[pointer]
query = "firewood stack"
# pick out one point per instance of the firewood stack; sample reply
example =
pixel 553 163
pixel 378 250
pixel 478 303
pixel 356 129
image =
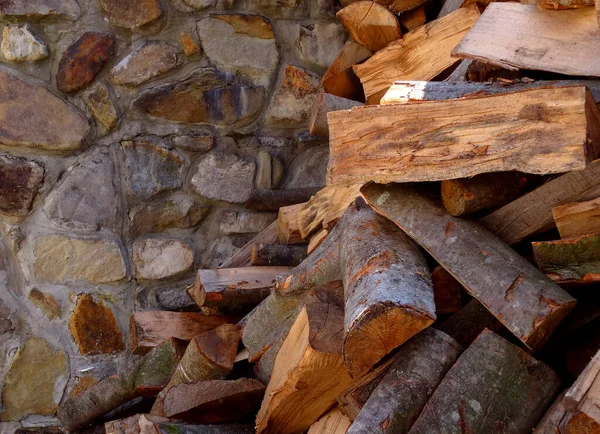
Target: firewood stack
pixel 433 285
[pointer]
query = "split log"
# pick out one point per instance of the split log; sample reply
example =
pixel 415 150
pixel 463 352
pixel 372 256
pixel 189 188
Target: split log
pixel 339 79
pixel 241 258
pixel 578 218
pixel 493 387
pixel 555 414
pixel 401 6
pixel 213 402
pixel 278 255
pixel 541 44
pixel 489 190
pixel 149 329
pixel 370 24
pixel 528 303
pixel 138 423
pixel 387 285
pixel 325 103
pixel 406 387
pixel 532 212
pixel 421 55
pixel 149 424
pixel 316 240
pixel 446 291
pixel 332 422
pixel 287 224
pixel 580 388
pixel 272 200
pixel 414 19
pixel 234 289
pixel 309 372
pixel 157 367
pixel 550 140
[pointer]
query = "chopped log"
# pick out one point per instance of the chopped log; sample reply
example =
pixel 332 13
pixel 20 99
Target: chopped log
pixel 493 387
pixel 157 367
pixel 532 212
pixel 149 424
pixel 287 224
pixel 370 24
pixel 421 55
pixel 339 79
pixel 528 303
pixel 541 43
pixel 332 422
pixel 488 190
pixel 573 260
pixel 387 285
pixel 401 6
pixel 316 240
pixel 325 208
pixel 309 371
pixel 278 255
pixel 550 140
pixel 446 291
pixel 234 289
pixel 577 218
pixel 272 200
pixel 149 329
pixel 404 390
pixel 555 414
pixel 241 258
pixel 583 400
pixel 580 388
pixel 411 20
pixel 325 103
pixel 213 402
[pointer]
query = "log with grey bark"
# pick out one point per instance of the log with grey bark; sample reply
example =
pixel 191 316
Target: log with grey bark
pixel 527 302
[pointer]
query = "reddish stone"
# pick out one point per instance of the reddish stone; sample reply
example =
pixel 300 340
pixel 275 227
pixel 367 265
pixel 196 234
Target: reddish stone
pixel 20 180
pixel 83 60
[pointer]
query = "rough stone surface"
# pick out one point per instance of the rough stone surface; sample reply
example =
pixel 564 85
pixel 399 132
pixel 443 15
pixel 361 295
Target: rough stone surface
pixel 35 381
pixel 20 180
pixel 59 259
pixel 83 60
pixel 6 324
pixel 94 328
pixel 150 60
pixel 45 302
pixel 131 13
pixel 177 211
pixel 308 169
pixel 34 117
pixel 293 100
pixel 20 45
pixel 244 222
pixel 243 44
pixel 321 43
pixel 189 44
pixel 157 258
pixel 224 177
pixel 174 299
pixel 100 103
pixel 151 169
pixel 87 197
pixel 200 4
pixel 194 143
pixel 40 8
pixel 203 97
pixel 280 8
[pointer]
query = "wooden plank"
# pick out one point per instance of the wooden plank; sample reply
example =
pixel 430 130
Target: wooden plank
pixel 340 79
pixel 370 24
pixel 540 43
pixel 528 303
pixel 577 218
pixel 242 257
pixel 419 55
pixel 537 131
pixel 532 212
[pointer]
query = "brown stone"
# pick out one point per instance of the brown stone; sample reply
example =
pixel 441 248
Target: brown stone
pixel 94 328
pixel 190 46
pixel 45 302
pixel 20 180
pixel 101 105
pixel 131 13
pixel 83 60
pixel 40 8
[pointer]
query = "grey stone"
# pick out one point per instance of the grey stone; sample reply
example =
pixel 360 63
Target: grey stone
pixel 87 197
pixel 131 14
pixel 194 143
pixel 20 180
pixel 6 324
pixel 174 299
pixel 224 177
pixel 200 4
pixel 40 8
pixel 321 42
pixel 245 222
pixel 280 8
pixel 157 258
pixel 309 169
pixel 20 45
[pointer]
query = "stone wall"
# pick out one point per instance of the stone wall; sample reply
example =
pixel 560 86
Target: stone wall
pixel 131 133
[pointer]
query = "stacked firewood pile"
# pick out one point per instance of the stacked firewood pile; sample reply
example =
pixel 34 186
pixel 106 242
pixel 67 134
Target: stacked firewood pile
pixel 445 280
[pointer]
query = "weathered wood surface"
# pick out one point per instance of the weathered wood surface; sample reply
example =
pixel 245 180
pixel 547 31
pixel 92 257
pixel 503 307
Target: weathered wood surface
pixel 340 79
pixel 278 255
pixel 493 387
pixel 325 103
pixel 370 24
pixel 577 218
pixel 584 400
pixel 532 212
pixel 332 422
pixel 446 291
pixel 541 43
pixel 552 418
pixel 317 239
pixel 420 55
pixel 272 200
pixel 438 140
pixel 404 390
pixel 157 368
pixel 288 226
pixel 241 258
pixel 411 20
pixel 528 303
pixel 309 372
pixel 582 385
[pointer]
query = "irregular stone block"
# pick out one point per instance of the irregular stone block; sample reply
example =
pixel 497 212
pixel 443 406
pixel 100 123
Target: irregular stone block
pixel 131 13
pixel 151 169
pixel 45 302
pixel 59 259
pixel 243 44
pixel 94 328
pixel 40 8
pixel 190 47
pixel 20 45
pixel 150 60
pixel 292 101
pixel 34 117
pixel 280 8
pixel 194 143
pixel 6 324
pixel 224 177
pixel 157 258
pixel 83 60
pixel 308 169
pixel 321 43
pixel 20 180
pixel 35 381
pixel 100 103
pixel 245 222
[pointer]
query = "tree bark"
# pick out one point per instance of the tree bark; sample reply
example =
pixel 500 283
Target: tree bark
pixel 278 255
pixel 272 200
pixel 157 367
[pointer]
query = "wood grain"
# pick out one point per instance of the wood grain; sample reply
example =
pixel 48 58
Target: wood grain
pixel 577 218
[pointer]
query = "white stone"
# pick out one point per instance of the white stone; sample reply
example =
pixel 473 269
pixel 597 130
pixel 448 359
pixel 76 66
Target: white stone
pixel 20 45
pixel 157 258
